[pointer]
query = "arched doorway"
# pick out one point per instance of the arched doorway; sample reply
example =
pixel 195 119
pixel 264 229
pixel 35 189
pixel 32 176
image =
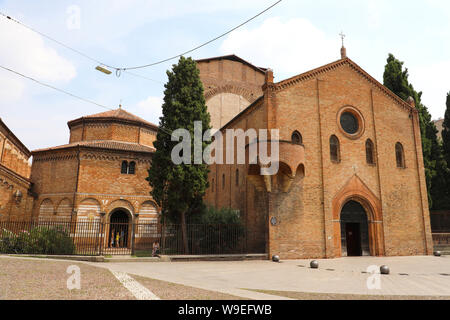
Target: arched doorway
pixel 354 230
pixel 119 223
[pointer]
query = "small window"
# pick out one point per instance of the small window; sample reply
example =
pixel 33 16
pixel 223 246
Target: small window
pixel 237 177
pixel 132 168
pixel 400 155
pixel 334 149
pixel 223 181
pixel 370 154
pixel 297 138
pixel 124 169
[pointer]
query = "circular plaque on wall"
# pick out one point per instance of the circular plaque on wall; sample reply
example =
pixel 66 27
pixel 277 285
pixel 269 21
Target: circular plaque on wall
pixel 273 221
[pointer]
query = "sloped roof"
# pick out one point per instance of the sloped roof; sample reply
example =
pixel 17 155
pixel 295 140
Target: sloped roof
pixel 117 115
pixel 102 144
pixel 12 137
pixel 234 57
pixel 334 65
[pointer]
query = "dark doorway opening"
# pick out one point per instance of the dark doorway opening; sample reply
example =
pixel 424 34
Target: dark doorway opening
pixel 353 237
pixel 354 230
pixel 118 229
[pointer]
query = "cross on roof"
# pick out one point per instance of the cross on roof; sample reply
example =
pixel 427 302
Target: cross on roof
pixel 342 37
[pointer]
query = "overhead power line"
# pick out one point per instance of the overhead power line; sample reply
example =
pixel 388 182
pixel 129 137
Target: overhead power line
pixel 72 49
pixel 201 45
pixel 55 88
pixel 69 94
pixel 125 69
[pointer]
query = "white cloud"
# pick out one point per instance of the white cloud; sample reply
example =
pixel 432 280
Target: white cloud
pixel 11 89
pixel 374 19
pixel 434 81
pixel 149 109
pixel 289 47
pixel 25 51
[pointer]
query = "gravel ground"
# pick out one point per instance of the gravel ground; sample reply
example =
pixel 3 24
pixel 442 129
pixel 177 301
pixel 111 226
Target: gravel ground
pixel 172 291
pixel 22 279
pixel 332 296
pixel 29 279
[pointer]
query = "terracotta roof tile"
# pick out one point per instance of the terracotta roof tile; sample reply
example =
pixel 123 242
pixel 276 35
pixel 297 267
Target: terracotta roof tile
pixel 103 144
pixel 118 114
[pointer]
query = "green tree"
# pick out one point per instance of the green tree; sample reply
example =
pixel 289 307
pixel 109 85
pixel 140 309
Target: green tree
pixel 444 179
pixel 180 188
pixel 446 132
pixel 396 79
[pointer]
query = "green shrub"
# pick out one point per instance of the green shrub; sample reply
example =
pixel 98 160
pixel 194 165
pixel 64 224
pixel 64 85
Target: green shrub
pixel 216 231
pixel 39 240
pixel 211 215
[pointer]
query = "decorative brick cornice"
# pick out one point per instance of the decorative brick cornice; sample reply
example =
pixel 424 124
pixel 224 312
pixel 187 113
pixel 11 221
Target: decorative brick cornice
pixel 230 88
pixel 10 178
pixel 97 125
pixel 54 157
pixel 335 65
pixel 113 157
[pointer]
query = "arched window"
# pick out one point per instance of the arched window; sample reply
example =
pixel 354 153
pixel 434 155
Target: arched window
pixel 124 169
pixel 297 138
pixel 400 155
pixel 237 177
pixel 132 168
pixel 223 181
pixel 334 149
pixel 370 152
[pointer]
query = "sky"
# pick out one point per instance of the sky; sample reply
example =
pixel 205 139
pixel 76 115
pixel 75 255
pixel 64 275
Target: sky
pixel 293 37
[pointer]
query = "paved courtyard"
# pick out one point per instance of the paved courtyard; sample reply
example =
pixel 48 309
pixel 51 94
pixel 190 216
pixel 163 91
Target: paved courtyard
pixel 410 276
pixel 346 278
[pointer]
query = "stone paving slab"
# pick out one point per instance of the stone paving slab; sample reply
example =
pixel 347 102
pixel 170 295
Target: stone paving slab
pixel 410 276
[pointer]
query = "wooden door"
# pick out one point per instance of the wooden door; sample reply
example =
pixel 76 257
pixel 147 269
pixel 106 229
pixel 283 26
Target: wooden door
pixel 353 237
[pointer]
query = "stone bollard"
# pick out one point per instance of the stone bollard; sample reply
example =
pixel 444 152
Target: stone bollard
pixel 275 258
pixel 437 253
pixel 384 270
pixel 314 264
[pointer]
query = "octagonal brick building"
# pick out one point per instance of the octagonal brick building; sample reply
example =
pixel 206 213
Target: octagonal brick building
pixel 100 173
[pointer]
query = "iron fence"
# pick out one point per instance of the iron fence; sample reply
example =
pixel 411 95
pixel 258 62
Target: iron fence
pixel 204 239
pixel 441 238
pixel 94 237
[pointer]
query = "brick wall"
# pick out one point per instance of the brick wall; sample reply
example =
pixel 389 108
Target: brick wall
pixel 308 214
pixel 230 86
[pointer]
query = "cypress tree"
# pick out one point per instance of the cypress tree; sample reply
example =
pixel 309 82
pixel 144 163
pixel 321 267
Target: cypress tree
pixel 396 79
pixel 446 132
pixel 179 188
pixel 444 179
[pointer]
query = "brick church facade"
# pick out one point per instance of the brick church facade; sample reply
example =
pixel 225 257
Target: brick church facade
pixel 351 179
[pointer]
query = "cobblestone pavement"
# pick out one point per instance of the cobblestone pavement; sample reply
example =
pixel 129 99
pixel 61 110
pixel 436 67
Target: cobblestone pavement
pixel 42 279
pixel 32 279
pixel 409 276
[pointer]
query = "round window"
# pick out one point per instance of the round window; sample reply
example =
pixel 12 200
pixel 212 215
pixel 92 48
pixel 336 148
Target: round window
pixel 349 123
